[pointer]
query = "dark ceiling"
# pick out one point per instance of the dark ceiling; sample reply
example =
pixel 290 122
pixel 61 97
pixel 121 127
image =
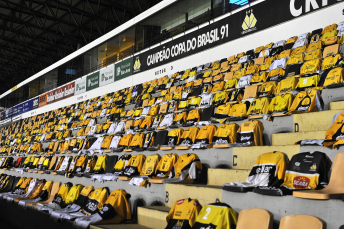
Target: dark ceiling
pixel 36 33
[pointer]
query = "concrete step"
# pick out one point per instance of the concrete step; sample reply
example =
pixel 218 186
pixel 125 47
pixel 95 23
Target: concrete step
pixel 205 194
pixel 336 105
pixel 291 138
pixel 153 216
pixel 245 157
pixel 313 121
pixel 218 177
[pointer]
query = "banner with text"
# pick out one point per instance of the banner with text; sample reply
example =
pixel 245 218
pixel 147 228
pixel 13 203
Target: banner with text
pixel 92 81
pixel 60 93
pixel 107 75
pixel 124 68
pixel 42 100
pixel 80 86
pixel 27 106
pixel 253 19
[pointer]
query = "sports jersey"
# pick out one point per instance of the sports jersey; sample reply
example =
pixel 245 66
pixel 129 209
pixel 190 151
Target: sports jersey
pixel 137 141
pixel 257 78
pixel 187 165
pixel 121 164
pixel 328 35
pixel 239 109
pixel 335 132
pixel 259 106
pixel 65 164
pixel 59 200
pixel 114 142
pixel 313 54
pixel 305 101
pixel 335 76
pixel 189 135
pixel 278 63
pixel 146 122
pixel 250 133
pixel 231 83
pixel 136 124
pixel 179 119
pixel 167 121
pixel 207 99
pixel 205 135
pixel 310 66
pixel 134 165
pixel 100 165
pixel 165 165
pixel 194 116
pixel 106 142
pixel 94 203
pixel 287 84
pixel 298 58
pixel 276 74
pixel 222 112
pixel 97 144
pixel 225 134
pixel 149 139
pixel 125 141
pixel 220 98
pixel 183 214
pixel 183 105
pixel 148 169
pixel 314 46
pixel 308 81
pixel 174 136
pixel 216 216
pixel 120 127
pixel 239 73
pixel 307 170
pixel 195 102
pixel 244 81
pixel 281 103
pixel 299 50
pixel 115 205
pixel 330 61
pixel 300 42
pixel 253 69
pixel 268 171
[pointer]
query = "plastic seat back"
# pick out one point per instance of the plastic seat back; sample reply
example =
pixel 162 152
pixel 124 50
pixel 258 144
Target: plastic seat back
pixel 255 218
pixel 301 222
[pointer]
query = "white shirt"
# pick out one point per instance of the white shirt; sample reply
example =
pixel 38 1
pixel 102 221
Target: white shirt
pixel 279 63
pixel 244 81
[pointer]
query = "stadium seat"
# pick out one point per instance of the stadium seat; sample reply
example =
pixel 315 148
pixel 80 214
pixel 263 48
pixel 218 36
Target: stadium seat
pixel 335 188
pixel 255 219
pixel 301 222
pixel 54 190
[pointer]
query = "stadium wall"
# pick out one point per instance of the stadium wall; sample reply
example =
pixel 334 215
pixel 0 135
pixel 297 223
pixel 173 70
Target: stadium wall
pixel 306 23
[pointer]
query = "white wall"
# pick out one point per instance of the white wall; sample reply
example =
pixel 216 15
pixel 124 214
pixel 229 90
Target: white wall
pixel 307 23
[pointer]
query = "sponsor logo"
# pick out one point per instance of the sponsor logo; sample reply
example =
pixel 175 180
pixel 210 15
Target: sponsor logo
pixel 89 82
pixel 301 182
pixel 118 71
pixel 313 167
pixel 249 23
pixel 137 64
pixel 309 156
pixel 180 202
pixel 297 163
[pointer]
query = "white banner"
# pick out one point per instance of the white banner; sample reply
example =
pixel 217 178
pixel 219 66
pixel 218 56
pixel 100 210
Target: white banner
pixel 80 86
pixel 107 75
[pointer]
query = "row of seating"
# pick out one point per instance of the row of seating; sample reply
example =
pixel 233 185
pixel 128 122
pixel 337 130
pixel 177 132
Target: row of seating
pixel 228 90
